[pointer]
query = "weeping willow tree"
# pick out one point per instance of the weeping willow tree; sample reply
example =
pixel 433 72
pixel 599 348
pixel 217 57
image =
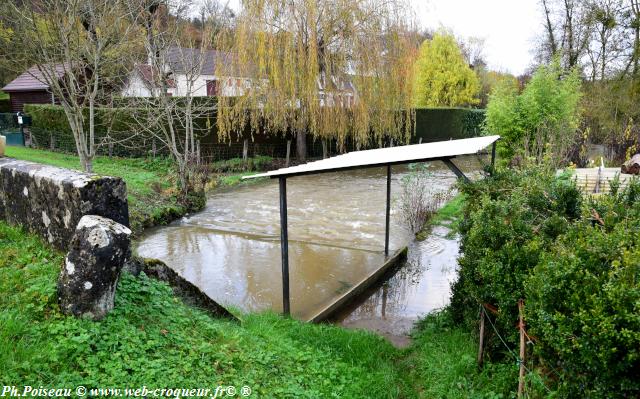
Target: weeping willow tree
pixel 334 69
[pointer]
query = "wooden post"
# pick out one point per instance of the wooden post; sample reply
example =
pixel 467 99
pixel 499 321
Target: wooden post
pixel 522 348
pixel 288 152
pixel 245 150
pixel 481 344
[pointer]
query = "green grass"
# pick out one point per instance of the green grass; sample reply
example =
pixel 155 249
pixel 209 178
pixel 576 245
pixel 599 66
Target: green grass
pixel 442 364
pixel 151 338
pixel 3 95
pixel 448 216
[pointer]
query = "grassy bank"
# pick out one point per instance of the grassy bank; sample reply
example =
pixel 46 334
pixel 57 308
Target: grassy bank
pixel 448 215
pixel 150 184
pixel 153 339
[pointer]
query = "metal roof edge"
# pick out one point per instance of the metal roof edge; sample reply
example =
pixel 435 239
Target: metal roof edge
pixel 303 169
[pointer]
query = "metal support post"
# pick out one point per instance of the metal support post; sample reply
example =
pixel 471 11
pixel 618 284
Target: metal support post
pixel 454 169
pixel 284 246
pixel 386 235
pixel 493 156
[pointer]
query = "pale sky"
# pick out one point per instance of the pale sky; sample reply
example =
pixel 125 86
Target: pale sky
pixel 509 27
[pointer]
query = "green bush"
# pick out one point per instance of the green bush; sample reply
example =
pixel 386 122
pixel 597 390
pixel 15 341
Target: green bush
pixel 576 263
pixel 584 301
pixel 505 229
pixel 546 113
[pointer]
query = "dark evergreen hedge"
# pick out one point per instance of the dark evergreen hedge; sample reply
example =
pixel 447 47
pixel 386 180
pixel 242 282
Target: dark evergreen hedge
pixel 50 129
pixel 437 124
pixel 5 105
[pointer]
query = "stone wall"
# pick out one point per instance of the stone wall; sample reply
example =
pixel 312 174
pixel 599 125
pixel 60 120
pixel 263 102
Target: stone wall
pixel 51 201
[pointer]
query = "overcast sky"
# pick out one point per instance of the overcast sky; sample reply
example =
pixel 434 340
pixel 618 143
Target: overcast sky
pixel 509 27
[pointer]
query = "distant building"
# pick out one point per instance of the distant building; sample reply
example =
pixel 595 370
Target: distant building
pixel 333 91
pixel 31 87
pixel 185 72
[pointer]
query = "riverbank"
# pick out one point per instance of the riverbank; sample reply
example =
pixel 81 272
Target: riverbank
pixel 151 192
pixel 447 216
pixel 149 340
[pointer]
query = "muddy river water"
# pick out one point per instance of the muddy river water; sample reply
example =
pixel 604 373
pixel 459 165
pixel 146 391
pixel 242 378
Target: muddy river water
pixel 231 249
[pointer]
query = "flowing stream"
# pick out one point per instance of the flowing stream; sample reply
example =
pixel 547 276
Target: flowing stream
pixel 231 249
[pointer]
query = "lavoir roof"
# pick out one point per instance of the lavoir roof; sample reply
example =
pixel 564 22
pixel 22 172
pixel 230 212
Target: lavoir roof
pixel 443 151
pixel 440 150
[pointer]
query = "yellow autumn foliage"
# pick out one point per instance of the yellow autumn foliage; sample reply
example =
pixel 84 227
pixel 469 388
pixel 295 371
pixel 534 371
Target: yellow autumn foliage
pixel 333 69
pixel 442 76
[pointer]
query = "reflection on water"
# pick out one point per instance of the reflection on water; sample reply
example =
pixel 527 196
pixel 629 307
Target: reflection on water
pixel 421 286
pixel 231 250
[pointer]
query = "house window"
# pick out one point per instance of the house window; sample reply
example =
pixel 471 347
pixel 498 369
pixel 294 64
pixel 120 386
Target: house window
pixel 212 88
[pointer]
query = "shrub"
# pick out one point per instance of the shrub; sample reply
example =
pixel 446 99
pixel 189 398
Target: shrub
pixel 544 116
pixel 576 263
pixel 584 301
pixel 115 126
pixel 512 218
pixel 418 200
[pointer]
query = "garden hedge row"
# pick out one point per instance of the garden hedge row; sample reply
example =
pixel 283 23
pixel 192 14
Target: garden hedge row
pixel 574 260
pixel 50 129
pixel 5 105
pixel 437 124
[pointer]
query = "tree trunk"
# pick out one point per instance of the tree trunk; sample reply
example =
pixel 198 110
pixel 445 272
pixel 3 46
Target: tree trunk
pixel 288 152
pixel 301 146
pixel 324 149
pixel 245 150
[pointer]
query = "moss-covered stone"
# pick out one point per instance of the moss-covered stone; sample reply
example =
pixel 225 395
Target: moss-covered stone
pixel 51 201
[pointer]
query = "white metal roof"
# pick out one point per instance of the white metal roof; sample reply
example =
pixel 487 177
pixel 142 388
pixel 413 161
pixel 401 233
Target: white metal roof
pixel 384 156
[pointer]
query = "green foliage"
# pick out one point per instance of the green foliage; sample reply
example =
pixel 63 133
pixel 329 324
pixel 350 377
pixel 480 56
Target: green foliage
pixel 584 301
pixel 235 165
pixel 612 117
pixel 442 76
pixel 117 126
pixel 531 235
pixel 438 124
pixel 50 129
pixel 508 222
pixel 547 112
pixel 5 103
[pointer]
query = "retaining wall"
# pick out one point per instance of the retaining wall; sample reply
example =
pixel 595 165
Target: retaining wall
pixel 51 201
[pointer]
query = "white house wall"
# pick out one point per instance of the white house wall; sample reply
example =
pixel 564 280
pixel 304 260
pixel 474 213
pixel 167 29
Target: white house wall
pixel 136 87
pixel 228 86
